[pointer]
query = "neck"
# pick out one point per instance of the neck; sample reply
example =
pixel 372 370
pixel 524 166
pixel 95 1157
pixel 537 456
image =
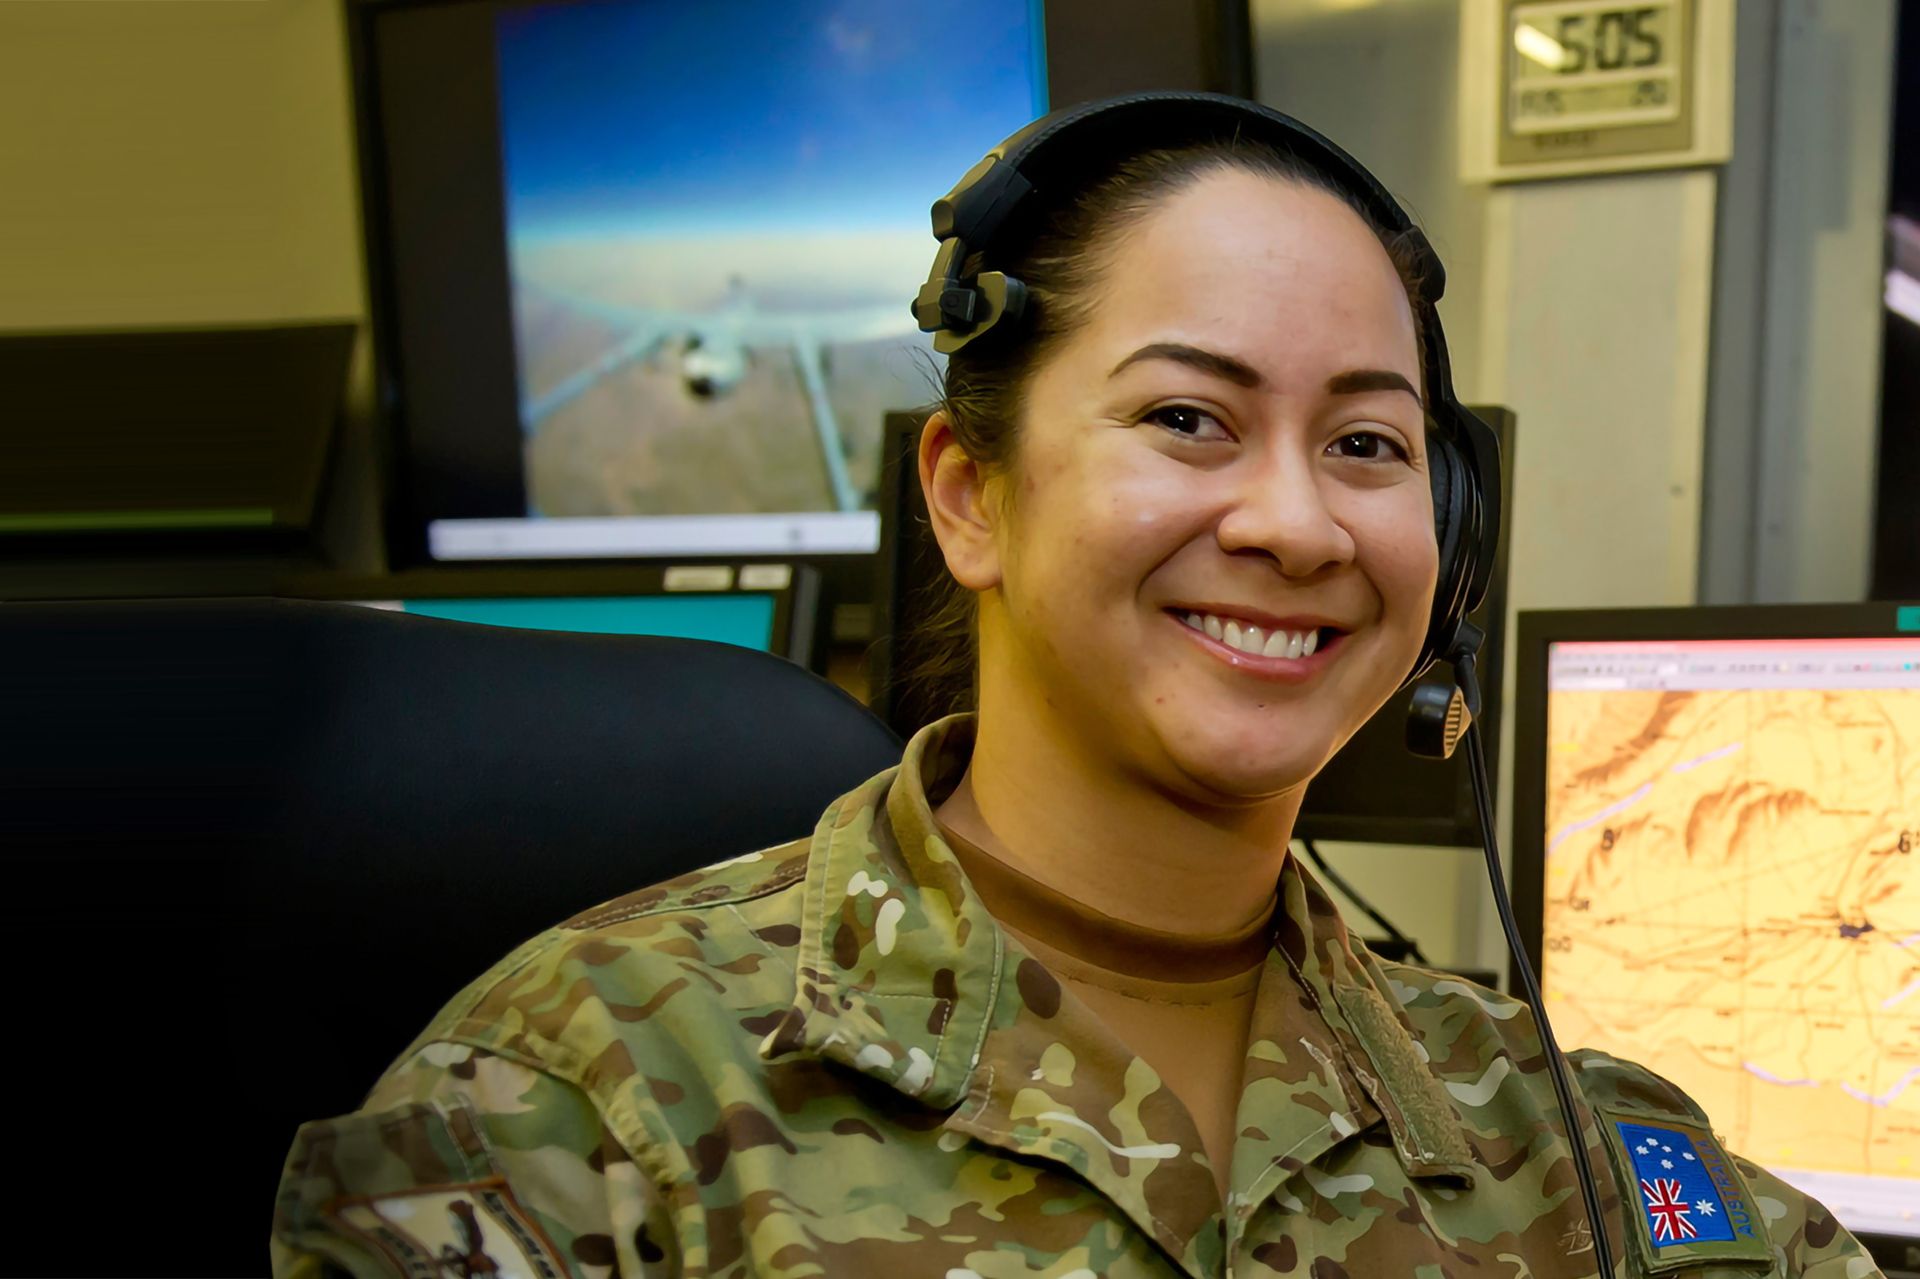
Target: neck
pixel 1072 817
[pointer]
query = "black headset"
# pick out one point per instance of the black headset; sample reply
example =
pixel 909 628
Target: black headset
pixel 1000 199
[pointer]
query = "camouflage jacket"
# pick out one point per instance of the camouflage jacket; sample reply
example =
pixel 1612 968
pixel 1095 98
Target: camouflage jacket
pixel 827 1059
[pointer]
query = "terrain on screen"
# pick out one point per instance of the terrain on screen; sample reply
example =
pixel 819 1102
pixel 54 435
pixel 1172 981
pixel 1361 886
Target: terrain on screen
pixel 716 223
pixel 1732 900
pixel 640 442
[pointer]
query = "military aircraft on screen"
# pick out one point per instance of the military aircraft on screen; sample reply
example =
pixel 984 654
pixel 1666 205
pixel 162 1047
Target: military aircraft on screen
pixel 712 348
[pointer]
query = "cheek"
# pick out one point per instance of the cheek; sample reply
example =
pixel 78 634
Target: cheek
pixel 1400 553
pixel 1149 503
pixel 1100 514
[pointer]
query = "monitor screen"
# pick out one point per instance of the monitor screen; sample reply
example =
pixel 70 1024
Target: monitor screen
pixel 773 607
pixel 745 619
pixel 1728 891
pixel 649 264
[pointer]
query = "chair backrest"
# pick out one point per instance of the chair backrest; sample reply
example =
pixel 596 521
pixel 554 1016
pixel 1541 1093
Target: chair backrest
pixel 255 845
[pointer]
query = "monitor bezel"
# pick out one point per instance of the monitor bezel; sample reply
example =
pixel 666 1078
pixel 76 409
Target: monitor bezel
pixel 405 516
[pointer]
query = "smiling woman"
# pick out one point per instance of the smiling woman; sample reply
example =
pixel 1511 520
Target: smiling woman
pixel 1051 997
pixel 1230 429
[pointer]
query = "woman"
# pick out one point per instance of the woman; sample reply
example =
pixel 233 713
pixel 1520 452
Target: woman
pixel 1051 998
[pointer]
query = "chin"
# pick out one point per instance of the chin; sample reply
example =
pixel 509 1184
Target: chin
pixel 1244 767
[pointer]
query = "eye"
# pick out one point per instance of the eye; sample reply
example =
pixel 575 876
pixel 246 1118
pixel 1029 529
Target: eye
pixel 1368 446
pixel 1188 423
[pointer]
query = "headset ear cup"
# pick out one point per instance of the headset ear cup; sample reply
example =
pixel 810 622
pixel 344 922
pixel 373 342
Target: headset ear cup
pixel 1451 493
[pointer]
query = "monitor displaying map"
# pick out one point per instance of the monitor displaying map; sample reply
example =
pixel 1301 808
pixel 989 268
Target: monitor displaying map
pixel 1729 895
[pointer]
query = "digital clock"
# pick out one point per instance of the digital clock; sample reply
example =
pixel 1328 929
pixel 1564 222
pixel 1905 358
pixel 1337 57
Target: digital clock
pixel 1578 65
pixel 1555 88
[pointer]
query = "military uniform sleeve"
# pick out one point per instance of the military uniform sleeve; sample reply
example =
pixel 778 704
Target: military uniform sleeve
pixel 465 1162
pixel 1744 1213
pixel 1807 1239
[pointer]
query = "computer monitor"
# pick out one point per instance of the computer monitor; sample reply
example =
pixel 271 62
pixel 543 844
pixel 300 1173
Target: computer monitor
pixel 1374 790
pixel 209 436
pixel 643 268
pixel 770 606
pixel 1716 868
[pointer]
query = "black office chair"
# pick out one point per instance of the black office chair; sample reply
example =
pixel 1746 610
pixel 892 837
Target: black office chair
pixel 255 845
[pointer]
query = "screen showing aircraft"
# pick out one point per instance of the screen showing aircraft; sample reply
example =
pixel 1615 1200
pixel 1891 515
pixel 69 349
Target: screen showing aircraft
pixel 712 353
pixel 714 232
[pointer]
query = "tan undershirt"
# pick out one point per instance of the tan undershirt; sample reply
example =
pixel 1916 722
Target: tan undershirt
pixel 1184 1003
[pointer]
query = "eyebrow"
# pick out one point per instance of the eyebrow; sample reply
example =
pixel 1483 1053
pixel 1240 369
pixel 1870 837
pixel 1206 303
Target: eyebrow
pixel 1221 366
pixel 1240 373
pixel 1360 381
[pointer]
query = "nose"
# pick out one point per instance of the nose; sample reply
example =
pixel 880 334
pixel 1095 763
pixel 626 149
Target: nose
pixel 1280 509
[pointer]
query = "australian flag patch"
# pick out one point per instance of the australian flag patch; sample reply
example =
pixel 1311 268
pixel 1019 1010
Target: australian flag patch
pixel 1680 1200
pixel 1690 1201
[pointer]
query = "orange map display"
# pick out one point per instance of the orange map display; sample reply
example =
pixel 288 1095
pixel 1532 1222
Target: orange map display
pixel 1732 897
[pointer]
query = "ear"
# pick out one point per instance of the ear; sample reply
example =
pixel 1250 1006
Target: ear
pixel 959 505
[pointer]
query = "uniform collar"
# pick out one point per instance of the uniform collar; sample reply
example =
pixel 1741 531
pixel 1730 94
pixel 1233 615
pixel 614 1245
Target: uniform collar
pixel 899 961
pixel 903 976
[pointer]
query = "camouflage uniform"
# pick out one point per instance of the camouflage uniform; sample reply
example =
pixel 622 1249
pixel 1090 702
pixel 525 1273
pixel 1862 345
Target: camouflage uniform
pixel 827 1059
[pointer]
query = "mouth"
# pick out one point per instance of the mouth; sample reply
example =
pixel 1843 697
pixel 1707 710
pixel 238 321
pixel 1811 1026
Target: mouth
pixel 1288 650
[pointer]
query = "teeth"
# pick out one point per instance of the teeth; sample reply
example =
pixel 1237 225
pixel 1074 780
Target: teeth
pixel 1252 639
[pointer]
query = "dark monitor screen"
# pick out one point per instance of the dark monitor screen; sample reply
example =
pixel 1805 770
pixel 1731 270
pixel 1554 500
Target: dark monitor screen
pixel 1716 843
pixel 168 430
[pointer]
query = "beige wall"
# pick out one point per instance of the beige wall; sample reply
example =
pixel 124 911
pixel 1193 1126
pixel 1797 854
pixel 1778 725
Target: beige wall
pixel 1381 81
pixel 175 162
pixel 188 162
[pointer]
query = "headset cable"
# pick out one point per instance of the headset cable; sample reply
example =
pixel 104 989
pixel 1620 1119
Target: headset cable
pixel 1463 666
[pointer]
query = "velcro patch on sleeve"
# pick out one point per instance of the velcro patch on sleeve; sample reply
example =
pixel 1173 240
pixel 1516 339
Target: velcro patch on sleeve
pixel 1686 1204
pixel 433 1232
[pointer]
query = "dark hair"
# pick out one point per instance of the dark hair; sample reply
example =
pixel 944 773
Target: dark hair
pixel 1062 262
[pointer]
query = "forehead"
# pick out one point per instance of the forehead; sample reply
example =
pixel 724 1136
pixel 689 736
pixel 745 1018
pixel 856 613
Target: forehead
pixel 1285 277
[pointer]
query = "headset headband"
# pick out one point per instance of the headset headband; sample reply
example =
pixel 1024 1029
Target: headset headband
pixel 1078 142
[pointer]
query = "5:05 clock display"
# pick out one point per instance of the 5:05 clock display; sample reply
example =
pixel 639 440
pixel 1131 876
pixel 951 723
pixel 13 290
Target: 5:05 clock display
pixel 1576 64
pixel 1610 39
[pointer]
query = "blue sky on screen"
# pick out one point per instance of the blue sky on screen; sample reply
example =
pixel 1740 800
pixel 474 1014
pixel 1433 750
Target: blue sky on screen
pixel 702 117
